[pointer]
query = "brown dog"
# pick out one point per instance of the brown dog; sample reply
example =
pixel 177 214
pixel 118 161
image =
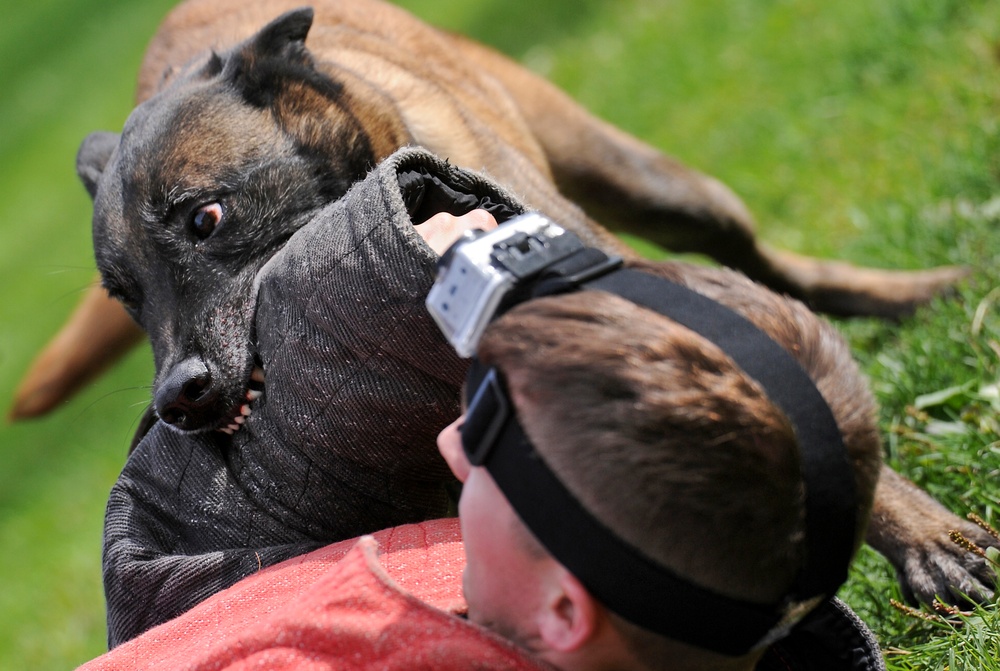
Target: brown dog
pixel 241 135
pixel 481 110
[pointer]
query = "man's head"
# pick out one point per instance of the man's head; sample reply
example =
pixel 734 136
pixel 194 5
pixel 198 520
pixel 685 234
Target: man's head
pixel 664 440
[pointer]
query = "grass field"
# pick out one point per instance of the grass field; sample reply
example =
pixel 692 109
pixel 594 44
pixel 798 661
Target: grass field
pixel 864 131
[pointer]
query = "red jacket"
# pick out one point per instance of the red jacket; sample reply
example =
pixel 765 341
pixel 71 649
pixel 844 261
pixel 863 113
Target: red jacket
pixel 391 602
pixel 387 601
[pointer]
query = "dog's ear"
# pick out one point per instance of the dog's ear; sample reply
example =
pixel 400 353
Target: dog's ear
pixel 285 37
pixel 260 68
pixel 93 156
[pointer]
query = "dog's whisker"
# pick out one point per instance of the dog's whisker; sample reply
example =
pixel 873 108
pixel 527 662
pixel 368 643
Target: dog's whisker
pixel 114 392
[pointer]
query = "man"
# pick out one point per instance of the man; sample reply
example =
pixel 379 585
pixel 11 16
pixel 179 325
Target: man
pixel 666 447
pixel 657 434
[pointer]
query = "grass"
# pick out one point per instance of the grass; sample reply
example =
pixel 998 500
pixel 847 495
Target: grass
pixel 864 131
pixel 956 639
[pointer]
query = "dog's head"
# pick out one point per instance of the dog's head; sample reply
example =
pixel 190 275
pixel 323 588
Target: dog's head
pixel 206 182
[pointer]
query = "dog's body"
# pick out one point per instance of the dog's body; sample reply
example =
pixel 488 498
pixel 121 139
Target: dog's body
pixel 482 111
pixel 241 135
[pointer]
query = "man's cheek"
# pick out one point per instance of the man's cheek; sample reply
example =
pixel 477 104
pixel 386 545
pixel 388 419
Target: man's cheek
pixel 471 590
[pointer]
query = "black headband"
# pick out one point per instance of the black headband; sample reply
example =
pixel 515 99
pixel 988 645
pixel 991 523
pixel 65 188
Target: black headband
pixel 618 574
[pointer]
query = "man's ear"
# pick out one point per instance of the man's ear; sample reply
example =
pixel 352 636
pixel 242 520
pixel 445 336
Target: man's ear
pixel 571 617
pixel 93 156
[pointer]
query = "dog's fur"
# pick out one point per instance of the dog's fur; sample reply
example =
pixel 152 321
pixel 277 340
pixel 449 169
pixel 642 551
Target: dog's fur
pixel 261 130
pixel 406 82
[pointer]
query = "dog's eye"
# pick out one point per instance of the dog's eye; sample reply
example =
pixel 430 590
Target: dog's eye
pixel 206 219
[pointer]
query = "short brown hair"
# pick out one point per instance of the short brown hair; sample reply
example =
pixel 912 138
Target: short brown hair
pixel 665 440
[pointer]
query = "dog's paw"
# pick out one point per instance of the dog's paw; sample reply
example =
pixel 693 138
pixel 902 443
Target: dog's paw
pixel 937 555
pixel 950 567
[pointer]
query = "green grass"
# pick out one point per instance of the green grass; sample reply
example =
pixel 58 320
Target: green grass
pixel 864 131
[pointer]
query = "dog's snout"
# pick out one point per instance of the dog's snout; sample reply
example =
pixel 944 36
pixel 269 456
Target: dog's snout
pixel 184 393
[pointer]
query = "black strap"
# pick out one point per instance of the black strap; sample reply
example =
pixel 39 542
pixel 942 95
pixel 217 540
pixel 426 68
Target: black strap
pixel 616 573
pixel 831 516
pixel 620 575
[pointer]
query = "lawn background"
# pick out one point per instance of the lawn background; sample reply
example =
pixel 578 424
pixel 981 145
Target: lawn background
pixel 865 131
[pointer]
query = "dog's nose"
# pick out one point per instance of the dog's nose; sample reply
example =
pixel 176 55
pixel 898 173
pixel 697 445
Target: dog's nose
pixel 186 390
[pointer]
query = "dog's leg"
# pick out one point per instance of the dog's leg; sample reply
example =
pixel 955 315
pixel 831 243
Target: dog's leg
pixel 96 335
pixel 641 191
pixel 636 189
pixel 631 187
pixel 912 531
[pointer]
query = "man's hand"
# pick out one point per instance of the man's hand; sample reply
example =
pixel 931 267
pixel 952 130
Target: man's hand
pixel 441 230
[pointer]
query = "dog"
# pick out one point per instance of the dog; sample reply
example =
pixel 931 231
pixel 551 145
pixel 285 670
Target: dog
pixel 243 130
pixel 482 111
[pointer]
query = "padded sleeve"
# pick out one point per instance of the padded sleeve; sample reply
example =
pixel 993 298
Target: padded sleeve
pixel 343 441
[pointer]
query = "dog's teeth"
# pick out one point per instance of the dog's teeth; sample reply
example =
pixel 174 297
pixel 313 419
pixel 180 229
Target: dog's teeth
pixel 254 394
pixel 256 384
pixel 226 430
pixel 233 427
pixel 245 410
pixel 239 419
